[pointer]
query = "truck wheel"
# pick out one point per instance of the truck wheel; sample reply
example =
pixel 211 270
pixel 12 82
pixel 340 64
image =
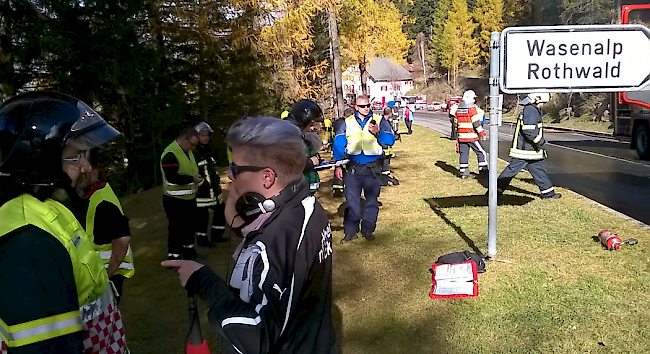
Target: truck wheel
pixel 641 142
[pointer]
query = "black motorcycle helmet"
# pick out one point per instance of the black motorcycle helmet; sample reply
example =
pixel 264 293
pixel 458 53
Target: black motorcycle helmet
pixel 304 112
pixel 34 128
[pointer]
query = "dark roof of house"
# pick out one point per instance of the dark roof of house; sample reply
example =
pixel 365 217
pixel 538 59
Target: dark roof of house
pixel 383 69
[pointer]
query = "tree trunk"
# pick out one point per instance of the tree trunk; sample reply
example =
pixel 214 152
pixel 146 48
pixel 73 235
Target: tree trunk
pixel 202 82
pixel 424 63
pixel 421 38
pixel 362 71
pixel 337 74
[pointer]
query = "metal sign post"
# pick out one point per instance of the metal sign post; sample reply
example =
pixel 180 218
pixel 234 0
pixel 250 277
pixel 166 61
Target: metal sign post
pixel 495 109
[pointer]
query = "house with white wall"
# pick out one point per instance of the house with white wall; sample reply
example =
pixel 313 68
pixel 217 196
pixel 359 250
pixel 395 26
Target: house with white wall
pixel 387 81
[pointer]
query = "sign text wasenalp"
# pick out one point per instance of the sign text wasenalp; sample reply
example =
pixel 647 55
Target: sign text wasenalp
pixel 599 58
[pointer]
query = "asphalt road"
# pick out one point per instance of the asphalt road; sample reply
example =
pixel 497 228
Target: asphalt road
pixel 600 168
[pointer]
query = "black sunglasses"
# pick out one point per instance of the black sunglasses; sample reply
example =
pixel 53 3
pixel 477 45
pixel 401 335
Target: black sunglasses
pixel 363 105
pixel 236 169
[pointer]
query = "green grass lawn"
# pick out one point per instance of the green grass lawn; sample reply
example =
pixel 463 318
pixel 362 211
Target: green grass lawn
pixel 562 293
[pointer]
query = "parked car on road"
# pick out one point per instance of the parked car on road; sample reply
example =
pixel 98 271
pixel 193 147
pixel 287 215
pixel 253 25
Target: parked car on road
pixel 434 106
pixel 377 105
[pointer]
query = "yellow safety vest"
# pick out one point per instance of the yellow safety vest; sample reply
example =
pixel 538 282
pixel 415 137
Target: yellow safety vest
pixel 361 140
pixel 89 273
pixel 521 153
pixel 106 193
pixel 186 167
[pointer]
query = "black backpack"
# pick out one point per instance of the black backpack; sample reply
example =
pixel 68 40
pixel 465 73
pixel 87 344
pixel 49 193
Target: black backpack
pixel 460 257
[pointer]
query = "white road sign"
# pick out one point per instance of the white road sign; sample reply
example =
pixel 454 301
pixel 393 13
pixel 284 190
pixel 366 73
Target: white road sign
pixel 602 58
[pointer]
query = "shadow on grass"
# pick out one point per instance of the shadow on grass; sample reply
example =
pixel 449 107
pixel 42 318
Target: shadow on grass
pixel 447 168
pixel 481 179
pixel 437 208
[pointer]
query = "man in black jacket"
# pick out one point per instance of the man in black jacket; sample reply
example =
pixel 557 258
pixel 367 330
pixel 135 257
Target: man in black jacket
pixel 280 294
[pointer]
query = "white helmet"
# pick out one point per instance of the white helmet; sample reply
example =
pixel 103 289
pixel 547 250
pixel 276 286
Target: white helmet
pixel 540 97
pixel 203 126
pixel 469 96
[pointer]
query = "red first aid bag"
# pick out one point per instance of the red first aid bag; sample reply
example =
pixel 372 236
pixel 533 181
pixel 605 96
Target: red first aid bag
pixel 454 281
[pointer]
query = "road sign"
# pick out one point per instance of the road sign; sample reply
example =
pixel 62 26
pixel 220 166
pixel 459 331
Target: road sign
pixel 601 58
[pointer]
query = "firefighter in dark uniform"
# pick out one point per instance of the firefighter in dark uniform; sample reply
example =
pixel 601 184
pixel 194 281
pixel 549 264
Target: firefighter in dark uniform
pixel 338 188
pixel 180 183
pixel 304 114
pixel 528 148
pixel 208 196
pixel 55 294
pixel 469 129
pixel 452 119
pixel 359 138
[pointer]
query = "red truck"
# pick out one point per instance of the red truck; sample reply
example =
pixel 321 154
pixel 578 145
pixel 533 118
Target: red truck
pixel 631 110
pixel 450 102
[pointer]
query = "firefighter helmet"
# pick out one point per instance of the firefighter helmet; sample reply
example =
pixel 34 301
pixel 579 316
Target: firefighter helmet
pixel 34 128
pixel 540 97
pixel 203 126
pixel 305 112
pixel 469 96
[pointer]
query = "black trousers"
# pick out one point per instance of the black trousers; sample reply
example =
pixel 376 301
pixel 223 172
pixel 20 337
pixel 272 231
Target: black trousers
pixel 463 149
pixel 118 281
pixel 338 189
pixel 361 179
pixel 385 169
pixel 454 133
pixel 181 214
pixel 218 220
pixel 537 168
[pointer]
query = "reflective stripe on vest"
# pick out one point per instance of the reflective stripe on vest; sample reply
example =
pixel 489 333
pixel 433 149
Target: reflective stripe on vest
pixel 525 154
pixel 361 140
pixel 186 167
pixel 106 194
pixel 41 329
pixel 90 277
pixel 465 118
pixel 203 201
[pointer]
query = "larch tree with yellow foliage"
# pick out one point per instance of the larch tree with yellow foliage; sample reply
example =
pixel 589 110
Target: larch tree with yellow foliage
pixel 371 28
pixel 488 15
pixel 458 48
pixel 287 38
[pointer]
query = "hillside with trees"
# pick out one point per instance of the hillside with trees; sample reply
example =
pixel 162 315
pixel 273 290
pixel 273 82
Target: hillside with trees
pixel 154 67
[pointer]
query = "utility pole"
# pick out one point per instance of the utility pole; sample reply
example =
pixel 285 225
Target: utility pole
pixel 336 62
pixel 422 38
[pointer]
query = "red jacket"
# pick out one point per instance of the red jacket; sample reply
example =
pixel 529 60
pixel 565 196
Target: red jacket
pixel 468 122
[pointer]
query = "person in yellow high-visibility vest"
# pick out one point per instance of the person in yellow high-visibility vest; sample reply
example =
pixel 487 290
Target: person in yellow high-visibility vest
pixel 180 184
pixel 108 228
pixel 55 294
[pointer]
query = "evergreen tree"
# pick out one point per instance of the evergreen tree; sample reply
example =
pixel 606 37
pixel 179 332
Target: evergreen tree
pixel 488 15
pixel 437 43
pixel 461 49
pixel 587 12
pixel 514 12
pixel 422 13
